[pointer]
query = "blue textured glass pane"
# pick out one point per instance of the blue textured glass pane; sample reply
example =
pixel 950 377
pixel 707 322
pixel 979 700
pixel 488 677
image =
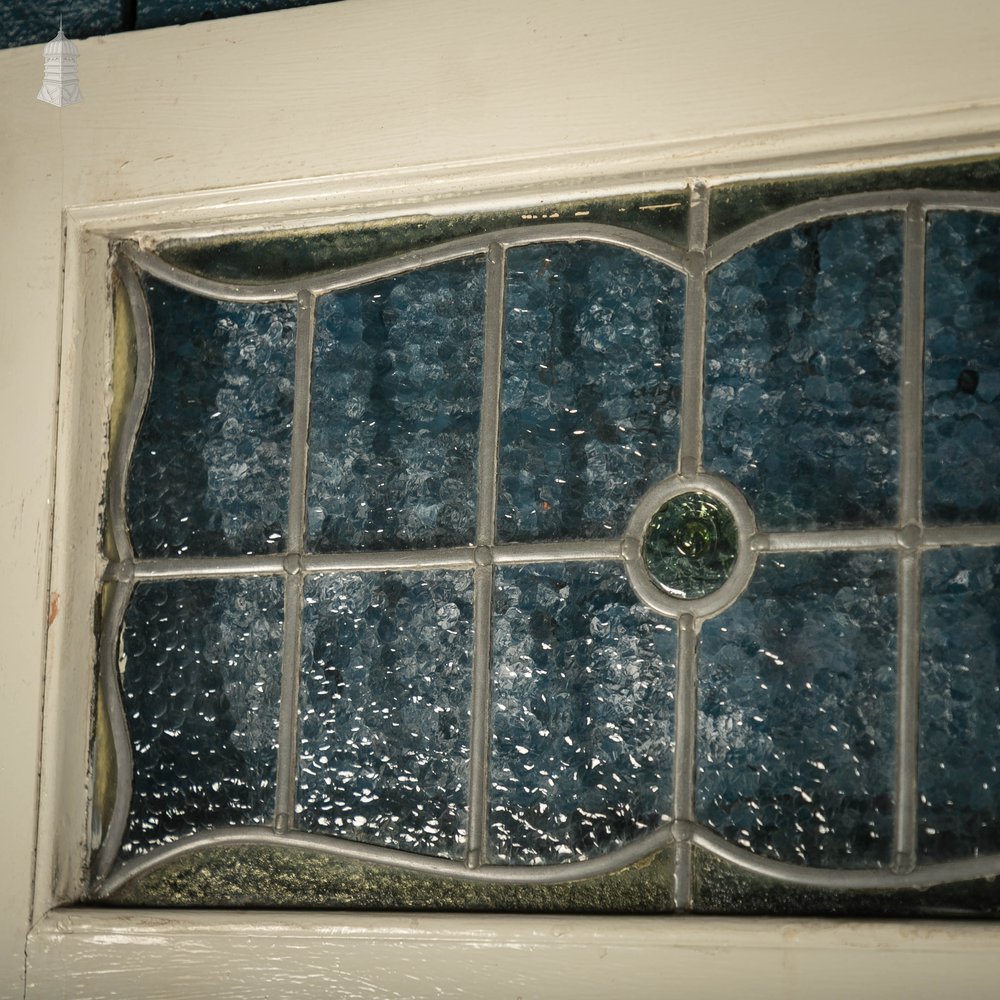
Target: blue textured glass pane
pixel 591 388
pixel 202 683
pixel 29 22
pixel 156 13
pixel 959 790
pixel 801 375
pixel 209 473
pixel 962 368
pixel 384 703
pixel 395 411
pixel 583 714
pixel 796 725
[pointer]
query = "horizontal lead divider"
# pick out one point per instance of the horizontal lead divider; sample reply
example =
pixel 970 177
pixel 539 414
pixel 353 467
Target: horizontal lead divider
pixel 193 566
pixel 458 557
pixel 520 553
pixel 452 558
pixel 819 541
pixel 962 534
pixel 181 568
pixel 877 538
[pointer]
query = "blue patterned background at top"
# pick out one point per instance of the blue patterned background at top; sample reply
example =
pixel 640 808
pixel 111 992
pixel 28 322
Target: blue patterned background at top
pixel 958 788
pixel 583 714
pixel 591 388
pixel 27 22
pixel 201 688
pixel 209 473
pixel 395 411
pixel 801 374
pixel 796 717
pixel 962 368
pixel 384 702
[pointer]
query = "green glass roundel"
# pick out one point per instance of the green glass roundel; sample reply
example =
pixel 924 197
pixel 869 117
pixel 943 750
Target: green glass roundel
pixel 690 545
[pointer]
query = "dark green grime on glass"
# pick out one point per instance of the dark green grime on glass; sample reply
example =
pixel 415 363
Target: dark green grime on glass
pixel 721 888
pixel 263 875
pixel 690 545
pixel 271 256
pixel 739 204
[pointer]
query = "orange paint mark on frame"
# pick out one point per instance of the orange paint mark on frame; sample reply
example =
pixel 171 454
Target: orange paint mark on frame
pixel 53 608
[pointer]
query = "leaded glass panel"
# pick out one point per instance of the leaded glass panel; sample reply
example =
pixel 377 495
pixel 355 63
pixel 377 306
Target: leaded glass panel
pixel 584 564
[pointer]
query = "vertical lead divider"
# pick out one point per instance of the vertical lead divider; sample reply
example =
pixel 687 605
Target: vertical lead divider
pixel 908 714
pixel 912 364
pixel 692 406
pixel 693 373
pixel 910 520
pixel 685 733
pixel 489 447
pixel 284 795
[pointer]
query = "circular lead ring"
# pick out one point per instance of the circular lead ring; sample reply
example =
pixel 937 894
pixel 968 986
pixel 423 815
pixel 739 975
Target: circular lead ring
pixel 645 585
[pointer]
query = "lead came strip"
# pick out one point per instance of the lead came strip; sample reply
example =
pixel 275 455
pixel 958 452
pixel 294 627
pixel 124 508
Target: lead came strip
pixel 291 655
pixel 351 277
pixel 692 391
pixel 305 336
pixel 604 864
pixel 291 652
pixel 115 613
pixel 637 850
pixel 693 352
pixel 912 395
pixel 686 730
pixel 910 517
pixel 489 451
pixel 114 616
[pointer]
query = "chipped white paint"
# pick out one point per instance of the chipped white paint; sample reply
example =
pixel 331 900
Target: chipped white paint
pixel 372 957
pixel 360 109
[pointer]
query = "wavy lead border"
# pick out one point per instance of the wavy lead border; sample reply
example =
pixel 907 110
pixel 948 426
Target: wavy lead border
pixel 122 585
pixel 671 832
pixel 351 277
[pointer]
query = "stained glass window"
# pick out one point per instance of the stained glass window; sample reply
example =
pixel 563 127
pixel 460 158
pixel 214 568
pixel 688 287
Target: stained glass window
pixel 632 557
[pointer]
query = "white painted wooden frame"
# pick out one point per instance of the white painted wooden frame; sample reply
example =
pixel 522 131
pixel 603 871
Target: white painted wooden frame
pixel 361 109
